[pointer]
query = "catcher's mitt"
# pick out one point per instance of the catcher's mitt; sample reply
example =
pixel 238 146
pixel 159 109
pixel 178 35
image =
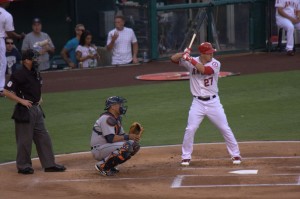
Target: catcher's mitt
pixel 136 128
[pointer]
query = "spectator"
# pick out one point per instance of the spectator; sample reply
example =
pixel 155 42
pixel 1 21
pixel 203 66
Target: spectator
pixel 68 52
pixel 178 27
pixel 13 56
pixel 6 29
pixel 288 18
pixel 39 41
pixel 120 41
pixel 86 53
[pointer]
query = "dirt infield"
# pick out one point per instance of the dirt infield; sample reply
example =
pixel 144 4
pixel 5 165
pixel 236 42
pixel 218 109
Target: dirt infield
pixel 156 173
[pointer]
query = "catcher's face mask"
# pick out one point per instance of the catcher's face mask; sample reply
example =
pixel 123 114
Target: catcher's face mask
pixel 116 100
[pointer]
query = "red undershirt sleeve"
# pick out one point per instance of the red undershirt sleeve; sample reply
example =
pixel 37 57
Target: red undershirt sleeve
pixel 208 70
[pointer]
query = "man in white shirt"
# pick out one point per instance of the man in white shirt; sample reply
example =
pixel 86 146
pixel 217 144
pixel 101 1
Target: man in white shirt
pixel 288 18
pixel 123 43
pixel 6 29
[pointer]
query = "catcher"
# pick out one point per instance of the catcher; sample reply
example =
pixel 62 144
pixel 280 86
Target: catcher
pixel 110 145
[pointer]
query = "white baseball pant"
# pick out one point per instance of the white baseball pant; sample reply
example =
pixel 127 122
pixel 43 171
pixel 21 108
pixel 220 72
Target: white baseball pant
pixel 289 27
pixel 213 109
pixel 3 63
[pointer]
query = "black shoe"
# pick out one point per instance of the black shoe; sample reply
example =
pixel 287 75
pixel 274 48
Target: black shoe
pixel 56 168
pixel 290 53
pixel 27 170
pixel 1 94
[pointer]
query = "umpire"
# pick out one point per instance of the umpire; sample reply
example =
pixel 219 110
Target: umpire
pixel 24 87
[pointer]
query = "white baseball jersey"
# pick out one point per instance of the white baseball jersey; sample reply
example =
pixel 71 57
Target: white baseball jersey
pixel 289 7
pixel 6 24
pixel 203 85
pixel 121 52
pixel 102 125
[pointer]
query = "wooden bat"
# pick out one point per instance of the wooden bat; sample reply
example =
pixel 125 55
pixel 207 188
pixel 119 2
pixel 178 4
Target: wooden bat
pixel 192 41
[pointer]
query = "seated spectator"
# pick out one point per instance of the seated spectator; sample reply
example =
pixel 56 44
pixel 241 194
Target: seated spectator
pixel 86 53
pixel 39 41
pixel 68 52
pixel 13 56
pixel 288 18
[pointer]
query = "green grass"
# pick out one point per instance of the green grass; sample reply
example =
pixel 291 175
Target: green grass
pixel 258 107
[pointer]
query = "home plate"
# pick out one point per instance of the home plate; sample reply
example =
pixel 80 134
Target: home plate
pixel 244 172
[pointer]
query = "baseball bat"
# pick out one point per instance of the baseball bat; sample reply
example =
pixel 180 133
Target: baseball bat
pixel 192 41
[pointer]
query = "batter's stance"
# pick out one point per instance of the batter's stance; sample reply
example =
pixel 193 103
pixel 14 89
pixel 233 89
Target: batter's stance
pixel 109 143
pixel 204 71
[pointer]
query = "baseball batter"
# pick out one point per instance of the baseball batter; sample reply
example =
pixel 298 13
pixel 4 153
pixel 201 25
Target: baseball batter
pixel 288 18
pixel 109 143
pixel 6 28
pixel 204 71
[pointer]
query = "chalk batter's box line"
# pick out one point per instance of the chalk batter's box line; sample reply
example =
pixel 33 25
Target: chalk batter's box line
pixel 250 158
pixel 177 182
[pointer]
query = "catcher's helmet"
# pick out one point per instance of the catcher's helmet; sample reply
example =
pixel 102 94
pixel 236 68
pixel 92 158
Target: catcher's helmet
pixel 116 100
pixel 206 48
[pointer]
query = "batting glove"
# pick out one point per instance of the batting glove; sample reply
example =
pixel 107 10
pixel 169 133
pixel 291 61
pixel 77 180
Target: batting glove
pixel 188 58
pixel 187 50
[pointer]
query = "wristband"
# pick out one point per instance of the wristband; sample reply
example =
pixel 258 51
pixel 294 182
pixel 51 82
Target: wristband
pixel 126 137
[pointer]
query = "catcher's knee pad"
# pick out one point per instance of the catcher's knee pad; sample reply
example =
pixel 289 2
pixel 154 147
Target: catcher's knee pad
pixel 136 147
pixel 125 151
pixel 119 156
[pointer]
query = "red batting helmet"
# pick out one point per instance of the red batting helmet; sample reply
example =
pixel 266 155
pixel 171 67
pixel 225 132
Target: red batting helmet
pixel 206 48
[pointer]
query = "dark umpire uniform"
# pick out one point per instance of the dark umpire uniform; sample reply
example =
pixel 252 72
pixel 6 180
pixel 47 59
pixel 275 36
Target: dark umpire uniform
pixel 24 87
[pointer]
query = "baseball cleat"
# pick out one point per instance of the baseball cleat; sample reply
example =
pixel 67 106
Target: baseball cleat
pixel 115 170
pixel 236 160
pixel 104 172
pixel 185 162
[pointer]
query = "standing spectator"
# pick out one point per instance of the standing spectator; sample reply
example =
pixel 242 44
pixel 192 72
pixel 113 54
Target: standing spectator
pixel 123 43
pixel 40 42
pixel 24 87
pixel 288 18
pixel 6 29
pixel 204 73
pixel 178 27
pixel 86 53
pixel 68 52
pixel 13 56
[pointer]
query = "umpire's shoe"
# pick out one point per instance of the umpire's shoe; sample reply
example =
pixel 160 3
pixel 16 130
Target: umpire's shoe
pixel 27 170
pixel 56 168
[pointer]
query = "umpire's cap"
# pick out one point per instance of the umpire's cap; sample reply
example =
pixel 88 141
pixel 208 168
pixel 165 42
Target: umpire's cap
pixel 114 100
pixel 29 54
